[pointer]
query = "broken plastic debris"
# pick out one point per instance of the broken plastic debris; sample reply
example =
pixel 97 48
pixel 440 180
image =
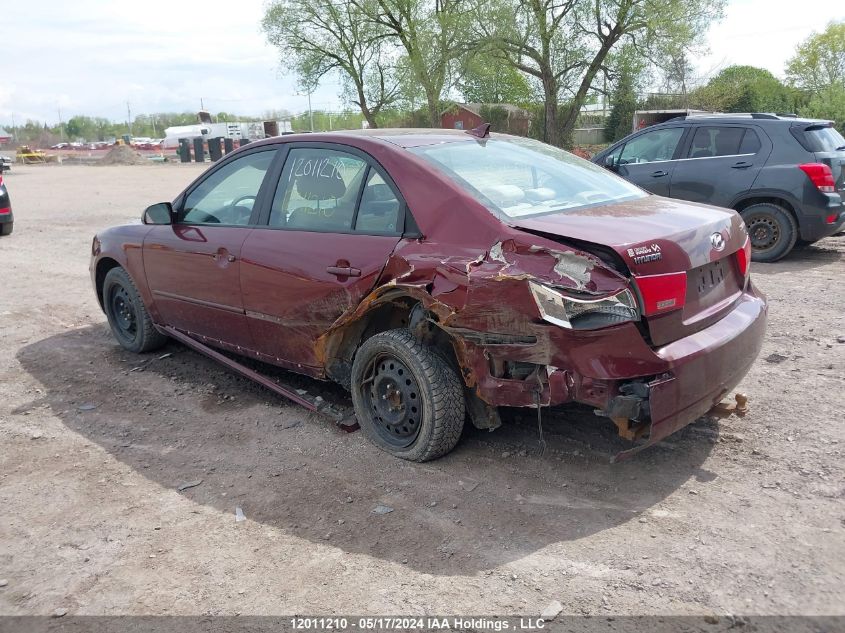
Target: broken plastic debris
pixel 468 484
pixel 551 611
pixel 382 509
pixel 239 514
pixel 189 484
pixel 87 407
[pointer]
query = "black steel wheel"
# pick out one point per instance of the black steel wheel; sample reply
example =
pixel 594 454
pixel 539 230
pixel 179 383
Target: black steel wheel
pixel 128 317
pixel 392 392
pixel 771 229
pixel 408 399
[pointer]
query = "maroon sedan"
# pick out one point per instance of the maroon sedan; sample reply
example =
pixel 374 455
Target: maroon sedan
pixel 439 275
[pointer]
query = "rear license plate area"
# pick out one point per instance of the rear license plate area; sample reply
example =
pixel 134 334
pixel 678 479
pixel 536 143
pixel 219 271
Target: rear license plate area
pixel 708 278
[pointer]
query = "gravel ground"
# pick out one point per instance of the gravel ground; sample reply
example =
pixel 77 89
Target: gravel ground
pixel 96 447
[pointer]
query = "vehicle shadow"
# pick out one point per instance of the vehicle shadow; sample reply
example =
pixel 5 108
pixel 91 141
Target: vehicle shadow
pixel 176 417
pixel 800 259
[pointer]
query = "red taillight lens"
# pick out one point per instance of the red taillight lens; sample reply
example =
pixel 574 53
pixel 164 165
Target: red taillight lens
pixel 662 293
pixel 832 218
pixel 743 258
pixel 820 175
pixel 5 210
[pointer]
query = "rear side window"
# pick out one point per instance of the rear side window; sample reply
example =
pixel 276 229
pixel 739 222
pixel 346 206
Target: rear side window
pixel 379 208
pixel 750 143
pixel 318 190
pixel 709 142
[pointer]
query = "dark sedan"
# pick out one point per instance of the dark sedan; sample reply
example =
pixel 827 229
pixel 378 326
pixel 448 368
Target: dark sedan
pixel 442 274
pixel 7 220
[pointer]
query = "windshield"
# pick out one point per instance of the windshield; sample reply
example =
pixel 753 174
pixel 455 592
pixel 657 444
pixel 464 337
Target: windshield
pixel 521 177
pixel 825 139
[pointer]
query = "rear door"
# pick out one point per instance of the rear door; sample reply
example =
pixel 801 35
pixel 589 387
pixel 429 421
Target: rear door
pixel 193 266
pixel 647 159
pixel 720 162
pixel 335 219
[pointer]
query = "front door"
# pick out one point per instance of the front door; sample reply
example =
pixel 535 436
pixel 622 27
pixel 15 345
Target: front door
pixel 334 221
pixel 647 159
pixel 193 266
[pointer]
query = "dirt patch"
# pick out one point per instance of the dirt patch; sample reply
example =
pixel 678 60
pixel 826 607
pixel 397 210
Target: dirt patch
pixel 740 516
pixel 123 155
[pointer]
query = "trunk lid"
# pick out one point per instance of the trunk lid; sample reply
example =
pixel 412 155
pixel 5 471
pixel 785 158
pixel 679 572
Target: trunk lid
pixel 657 236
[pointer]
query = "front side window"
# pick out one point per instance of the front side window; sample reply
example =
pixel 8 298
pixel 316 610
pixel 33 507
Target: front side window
pixel 318 190
pixel 652 146
pixel 229 193
pixel 709 142
pixel 523 177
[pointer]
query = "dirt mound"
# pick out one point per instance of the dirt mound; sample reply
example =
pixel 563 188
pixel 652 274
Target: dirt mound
pixel 123 155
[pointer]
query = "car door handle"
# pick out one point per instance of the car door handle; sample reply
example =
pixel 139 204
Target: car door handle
pixel 343 271
pixel 217 256
pixel 741 165
pixel 659 174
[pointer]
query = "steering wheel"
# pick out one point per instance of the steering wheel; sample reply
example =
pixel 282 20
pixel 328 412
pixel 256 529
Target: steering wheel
pixel 237 202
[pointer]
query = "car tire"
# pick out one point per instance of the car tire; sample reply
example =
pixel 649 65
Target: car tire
pixel 408 398
pixel 6 229
pixel 772 229
pixel 127 315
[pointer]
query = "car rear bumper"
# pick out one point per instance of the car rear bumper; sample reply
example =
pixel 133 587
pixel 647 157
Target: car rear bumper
pixel 814 223
pixel 677 383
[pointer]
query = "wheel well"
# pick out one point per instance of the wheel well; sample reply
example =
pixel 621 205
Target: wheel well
pixel 103 268
pixel 341 348
pixel 744 204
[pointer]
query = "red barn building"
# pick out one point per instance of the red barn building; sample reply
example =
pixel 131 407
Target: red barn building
pixel 465 116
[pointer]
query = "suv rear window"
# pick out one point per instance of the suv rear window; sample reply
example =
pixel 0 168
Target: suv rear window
pixel 823 139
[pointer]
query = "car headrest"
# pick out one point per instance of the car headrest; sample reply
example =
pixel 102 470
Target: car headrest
pixel 318 179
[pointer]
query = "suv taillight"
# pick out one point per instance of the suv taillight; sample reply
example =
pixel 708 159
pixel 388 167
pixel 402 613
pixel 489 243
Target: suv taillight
pixel 820 175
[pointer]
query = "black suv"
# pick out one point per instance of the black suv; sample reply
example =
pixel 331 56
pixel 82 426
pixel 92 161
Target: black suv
pixel 785 176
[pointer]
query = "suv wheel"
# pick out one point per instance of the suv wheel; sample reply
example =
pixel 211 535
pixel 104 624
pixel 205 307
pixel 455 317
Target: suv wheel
pixel 408 399
pixel 772 230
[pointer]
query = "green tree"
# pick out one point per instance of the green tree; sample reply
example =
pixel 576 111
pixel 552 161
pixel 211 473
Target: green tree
pixel 829 103
pixel 629 68
pixel 744 89
pixel 485 79
pixel 819 61
pixel 433 34
pixel 567 44
pixel 322 36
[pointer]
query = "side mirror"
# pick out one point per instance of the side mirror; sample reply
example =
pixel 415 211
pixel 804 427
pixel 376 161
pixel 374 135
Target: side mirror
pixel 610 162
pixel 161 213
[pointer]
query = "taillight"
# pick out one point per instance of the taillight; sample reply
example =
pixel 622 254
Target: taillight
pixel 662 293
pixel 5 210
pixel 820 175
pixel 832 218
pixel 743 258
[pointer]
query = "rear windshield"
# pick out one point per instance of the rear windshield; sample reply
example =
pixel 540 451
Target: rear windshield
pixel 824 139
pixel 518 177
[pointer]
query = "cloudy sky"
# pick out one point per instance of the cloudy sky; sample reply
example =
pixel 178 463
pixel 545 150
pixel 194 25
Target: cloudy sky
pixel 95 56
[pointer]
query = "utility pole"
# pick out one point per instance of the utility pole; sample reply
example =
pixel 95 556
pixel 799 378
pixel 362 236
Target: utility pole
pixel 310 112
pixel 202 106
pixel 129 120
pixel 61 125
